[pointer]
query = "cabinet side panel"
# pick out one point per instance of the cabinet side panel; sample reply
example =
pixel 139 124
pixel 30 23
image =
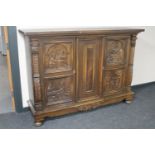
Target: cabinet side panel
pixel 29 69
pixel 36 73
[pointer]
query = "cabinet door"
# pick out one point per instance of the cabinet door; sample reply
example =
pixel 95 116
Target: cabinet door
pixel 58 70
pixel 116 51
pixel 88 68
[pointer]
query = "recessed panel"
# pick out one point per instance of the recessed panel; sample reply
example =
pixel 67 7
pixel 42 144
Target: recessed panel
pixel 88 68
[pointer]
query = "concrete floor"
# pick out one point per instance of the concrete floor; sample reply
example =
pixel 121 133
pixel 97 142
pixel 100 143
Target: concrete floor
pixel 5 95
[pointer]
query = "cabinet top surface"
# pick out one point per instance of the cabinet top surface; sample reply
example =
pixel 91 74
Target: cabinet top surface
pixel 79 31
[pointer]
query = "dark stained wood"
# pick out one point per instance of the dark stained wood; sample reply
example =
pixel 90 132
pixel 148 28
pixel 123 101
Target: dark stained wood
pixel 79 70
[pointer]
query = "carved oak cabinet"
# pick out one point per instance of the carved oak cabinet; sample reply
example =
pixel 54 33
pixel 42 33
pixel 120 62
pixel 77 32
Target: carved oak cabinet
pixel 75 70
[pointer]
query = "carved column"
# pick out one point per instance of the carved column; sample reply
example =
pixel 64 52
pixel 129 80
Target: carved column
pixel 131 59
pixel 35 47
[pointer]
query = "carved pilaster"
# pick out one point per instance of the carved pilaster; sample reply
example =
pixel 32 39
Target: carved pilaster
pixel 131 59
pixel 35 45
pixel 35 48
pixel 133 40
pixel 133 44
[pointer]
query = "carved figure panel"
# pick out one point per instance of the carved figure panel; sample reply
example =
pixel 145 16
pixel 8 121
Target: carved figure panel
pixel 59 90
pixel 113 80
pixel 58 57
pixel 115 52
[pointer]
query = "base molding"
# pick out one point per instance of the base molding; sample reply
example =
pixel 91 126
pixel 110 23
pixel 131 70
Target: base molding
pixel 39 116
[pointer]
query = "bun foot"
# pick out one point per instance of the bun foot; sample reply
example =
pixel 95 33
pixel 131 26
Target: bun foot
pixel 38 124
pixel 128 101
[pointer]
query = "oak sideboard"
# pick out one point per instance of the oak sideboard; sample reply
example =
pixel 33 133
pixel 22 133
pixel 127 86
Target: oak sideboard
pixel 75 70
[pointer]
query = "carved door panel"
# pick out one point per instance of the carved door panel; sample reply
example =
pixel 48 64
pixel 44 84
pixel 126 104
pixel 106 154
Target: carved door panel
pixel 88 68
pixel 113 81
pixel 116 51
pixel 59 90
pixel 58 56
pixel 58 71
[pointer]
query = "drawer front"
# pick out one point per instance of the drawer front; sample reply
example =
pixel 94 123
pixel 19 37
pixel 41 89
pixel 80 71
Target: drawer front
pixel 58 70
pixel 88 68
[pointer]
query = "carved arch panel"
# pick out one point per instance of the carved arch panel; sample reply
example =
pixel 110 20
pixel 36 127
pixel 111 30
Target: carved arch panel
pixel 58 56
